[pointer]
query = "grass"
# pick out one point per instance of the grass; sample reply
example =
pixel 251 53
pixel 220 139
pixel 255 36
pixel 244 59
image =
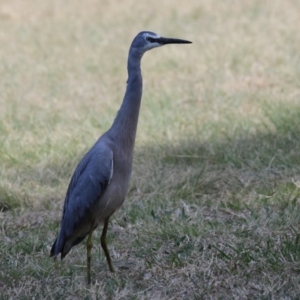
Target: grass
pixel 213 207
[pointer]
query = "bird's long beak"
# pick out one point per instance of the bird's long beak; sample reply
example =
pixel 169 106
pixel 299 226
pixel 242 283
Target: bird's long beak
pixel 164 41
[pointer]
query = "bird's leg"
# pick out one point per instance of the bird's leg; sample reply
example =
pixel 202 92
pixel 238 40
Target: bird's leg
pixel 89 246
pixel 104 245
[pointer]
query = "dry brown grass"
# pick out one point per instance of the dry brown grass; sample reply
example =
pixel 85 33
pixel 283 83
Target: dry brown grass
pixel 213 208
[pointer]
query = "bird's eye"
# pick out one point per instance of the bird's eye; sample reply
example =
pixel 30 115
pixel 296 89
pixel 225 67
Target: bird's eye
pixel 150 39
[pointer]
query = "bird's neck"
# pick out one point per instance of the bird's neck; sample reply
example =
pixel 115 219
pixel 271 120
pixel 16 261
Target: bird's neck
pixel 123 130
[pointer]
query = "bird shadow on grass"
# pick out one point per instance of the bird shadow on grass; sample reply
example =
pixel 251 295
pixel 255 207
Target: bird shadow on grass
pixel 244 161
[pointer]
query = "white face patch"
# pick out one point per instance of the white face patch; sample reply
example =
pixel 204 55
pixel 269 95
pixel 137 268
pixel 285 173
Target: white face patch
pixel 151 45
pixel 153 35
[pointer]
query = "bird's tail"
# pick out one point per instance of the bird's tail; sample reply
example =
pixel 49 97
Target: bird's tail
pixel 62 246
pixel 57 247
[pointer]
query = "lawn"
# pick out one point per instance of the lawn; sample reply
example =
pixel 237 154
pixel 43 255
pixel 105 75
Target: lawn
pixel 213 208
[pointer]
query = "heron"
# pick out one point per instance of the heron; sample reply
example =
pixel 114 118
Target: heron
pixel 100 181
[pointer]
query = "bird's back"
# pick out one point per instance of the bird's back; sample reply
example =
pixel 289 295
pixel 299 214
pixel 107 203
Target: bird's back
pixel 97 188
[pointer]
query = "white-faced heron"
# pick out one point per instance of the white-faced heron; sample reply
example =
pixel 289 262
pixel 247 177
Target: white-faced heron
pixel 100 182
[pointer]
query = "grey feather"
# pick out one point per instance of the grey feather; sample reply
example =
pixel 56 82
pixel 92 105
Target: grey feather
pixel 88 183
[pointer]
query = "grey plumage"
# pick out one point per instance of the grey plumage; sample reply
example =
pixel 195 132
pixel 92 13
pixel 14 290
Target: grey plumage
pixel 99 184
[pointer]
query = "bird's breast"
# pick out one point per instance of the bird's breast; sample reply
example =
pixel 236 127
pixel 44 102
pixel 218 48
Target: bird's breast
pixel 115 193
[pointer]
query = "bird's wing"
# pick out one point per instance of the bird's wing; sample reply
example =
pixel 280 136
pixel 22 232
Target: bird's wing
pixel 88 183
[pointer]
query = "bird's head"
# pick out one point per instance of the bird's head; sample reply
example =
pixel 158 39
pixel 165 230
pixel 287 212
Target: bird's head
pixel 147 40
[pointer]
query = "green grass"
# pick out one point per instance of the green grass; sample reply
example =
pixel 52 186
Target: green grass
pixel 213 207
